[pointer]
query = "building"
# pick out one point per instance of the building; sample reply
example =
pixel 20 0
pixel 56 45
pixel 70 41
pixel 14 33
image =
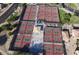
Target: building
pixel 48 19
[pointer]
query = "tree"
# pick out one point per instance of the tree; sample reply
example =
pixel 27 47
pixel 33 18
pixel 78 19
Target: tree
pixel 67 17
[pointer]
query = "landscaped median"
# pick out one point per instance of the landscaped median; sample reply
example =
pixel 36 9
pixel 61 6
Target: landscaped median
pixel 7 25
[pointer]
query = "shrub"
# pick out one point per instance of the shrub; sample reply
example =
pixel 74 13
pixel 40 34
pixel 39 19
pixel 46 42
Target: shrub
pixel 7 27
pixel 12 17
pixel 10 33
pixel 1 29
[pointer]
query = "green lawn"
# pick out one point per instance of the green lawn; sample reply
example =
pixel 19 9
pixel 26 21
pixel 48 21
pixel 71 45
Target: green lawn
pixel 67 18
pixel 61 12
pixel 73 5
pixel 74 19
pixel 64 17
